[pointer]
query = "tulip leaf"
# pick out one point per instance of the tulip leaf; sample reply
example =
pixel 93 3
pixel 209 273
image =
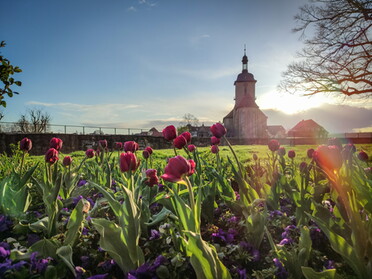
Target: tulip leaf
pixel 45 247
pixel 75 223
pixel 310 273
pixel 65 253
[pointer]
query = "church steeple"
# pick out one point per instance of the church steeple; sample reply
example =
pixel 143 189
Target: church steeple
pixel 245 62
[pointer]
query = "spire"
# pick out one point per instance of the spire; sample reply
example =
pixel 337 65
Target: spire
pixel 245 61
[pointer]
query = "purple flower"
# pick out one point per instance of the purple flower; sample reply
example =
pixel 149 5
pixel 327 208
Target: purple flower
pixel 85 261
pixel 285 241
pixel 329 264
pixel 108 265
pixel 4 253
pixel 99 276
pixel 38 265
pixel 81 182
pixel 154 235
pixel 281 273
pixel 242 273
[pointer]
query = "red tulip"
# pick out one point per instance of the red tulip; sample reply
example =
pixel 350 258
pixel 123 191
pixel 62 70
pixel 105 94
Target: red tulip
pixel 310 152
pixel 130 146
pixel 67 161
pixel 25 145
pixel 128 162
pixel 187 136
pixel 56 143
pixel 152 178
pixel 169 133
pixel 51 156
pixel 363 156
pixel 145 154
pixel 89 153
pixel 291 154
pixel 255 157
pixel 218 130
pixel 273 145
pixel 177 168
pixel 149 150
pixel 303 167
pixel 214 149
pixel 118 145
pixel 215 140
pixel 179 142
pixel 191 148
pixel 328 157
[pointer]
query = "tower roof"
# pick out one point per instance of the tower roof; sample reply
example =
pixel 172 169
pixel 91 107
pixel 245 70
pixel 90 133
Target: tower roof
pixel 245 76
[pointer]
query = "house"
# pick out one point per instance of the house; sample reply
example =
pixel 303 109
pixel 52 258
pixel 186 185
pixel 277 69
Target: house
pixel 154 132
pixel 276 131
pixel 199 131
pixel 308 129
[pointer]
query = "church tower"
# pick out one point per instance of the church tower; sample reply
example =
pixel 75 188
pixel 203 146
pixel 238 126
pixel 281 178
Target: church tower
pixel 246 120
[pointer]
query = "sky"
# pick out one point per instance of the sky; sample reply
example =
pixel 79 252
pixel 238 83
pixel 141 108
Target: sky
pixel 147 63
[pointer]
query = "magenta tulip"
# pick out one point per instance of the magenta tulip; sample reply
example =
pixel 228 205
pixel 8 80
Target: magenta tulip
pixel 169 133
pixel 273 145
pixel 179 142
pixel 191 148
pixel 215 140
pixel 177 168
pixel 25 145
pixel 56 143
pixel 187 136
pixel 90 153
pixel 214 149
pixel 130 146
pixel 218 130
pixel 128 162
pixel 67 161
pixel 51 156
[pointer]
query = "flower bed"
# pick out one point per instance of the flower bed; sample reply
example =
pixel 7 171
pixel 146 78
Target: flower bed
pixel 109 214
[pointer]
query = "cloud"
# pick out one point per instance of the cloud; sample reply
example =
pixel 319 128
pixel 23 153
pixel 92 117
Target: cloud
pixel 196 40
pixel 131 9
pixel 334 118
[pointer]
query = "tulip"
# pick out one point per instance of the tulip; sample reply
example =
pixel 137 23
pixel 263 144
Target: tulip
pixel 89 153
pixel 128 162
pixel 328 157
pixel 363 156
pixel 118 145
pixel 215 140
pixel 214 149
pixel 145 154
pixel 149 150
pixel 187 136
pixel 152 178
pixel 56 143
pixel 177 168
pixel 348 151
pixel 102 144
pixel 281 151
pixel 179 142
pixel 130 146
pixel 191 148
pixel 169 133
pixel 218 130
pixel 51 156
pixel 255 157
pixel 25 145
pixel 291 154
pixel 273 145
pixel 67 161
pixel 303 167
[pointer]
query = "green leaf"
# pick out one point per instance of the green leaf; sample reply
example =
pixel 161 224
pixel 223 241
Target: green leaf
pixel 45 247
pixel 161 216
pixel 112 242
pixel 204 258
pixel 40 225
pixel 310 273
pixel 75 223
pixel 65 253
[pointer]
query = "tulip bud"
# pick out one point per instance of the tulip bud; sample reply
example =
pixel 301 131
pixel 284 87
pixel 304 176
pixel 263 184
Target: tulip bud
pixel 89 153
pixel 145 154
pixel 187 136
pixel 179 142
pixel 218 130
pixel 25 145
pixel 51 156
pixel 303 167
pixel 67 161
pixel 191 148
pixel 363 156
pixel 178 167
pixel 152 178
pixel 149 150
pixel 56 143
pixel 102 144
pixel 310 152
pixel 255 157
pixel 291 154
pixel 128 162
pixel 169 133
pixel 273 145
pixel 118 145
pixel 130 146
pixel 281 151
pixel 215 140
pixel 214 149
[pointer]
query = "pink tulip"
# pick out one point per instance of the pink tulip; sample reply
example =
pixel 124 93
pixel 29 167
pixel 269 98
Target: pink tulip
pixel 177 168
pixel 152 178
pixel 128 162
pixel 51 156
pixel 130 146
pixel 67 161
pixel 291 154
pixel 215 140
pixel 187 136
pixel 169 133
pixel 90 153
pixel 56 143
pixel 149 150
pixel 281 151
pixel 273 145
pixel 191 148
pixel 118 145
pixel 214 149
pixel 363 156
pixel 145 154
pixel 218 130
pixel 179 142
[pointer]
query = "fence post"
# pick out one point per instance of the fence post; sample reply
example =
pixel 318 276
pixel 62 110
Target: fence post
pixel 83 130
pixel 128 131
pixel 65 130
pixel 115 131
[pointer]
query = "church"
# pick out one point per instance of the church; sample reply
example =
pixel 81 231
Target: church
pixel 246 120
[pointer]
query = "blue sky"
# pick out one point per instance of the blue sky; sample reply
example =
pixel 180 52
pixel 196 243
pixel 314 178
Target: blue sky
pixel 142 63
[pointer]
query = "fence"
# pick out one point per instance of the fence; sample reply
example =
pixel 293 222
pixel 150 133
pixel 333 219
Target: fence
pixel 14 127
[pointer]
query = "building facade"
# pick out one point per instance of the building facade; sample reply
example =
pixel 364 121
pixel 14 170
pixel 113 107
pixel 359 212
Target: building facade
pixel 246 120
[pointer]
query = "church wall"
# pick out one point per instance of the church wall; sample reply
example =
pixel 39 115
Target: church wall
pixel 250 123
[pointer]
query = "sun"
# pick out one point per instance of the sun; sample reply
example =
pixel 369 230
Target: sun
pixel 289 103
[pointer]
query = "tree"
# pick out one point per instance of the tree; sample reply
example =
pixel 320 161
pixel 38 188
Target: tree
pixel 36 121
pixel 187 120
pixel 337 58
pixel 6 72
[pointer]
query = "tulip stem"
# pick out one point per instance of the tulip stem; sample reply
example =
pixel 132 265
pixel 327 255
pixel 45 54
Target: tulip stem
pixel 191 193
pixel 236 158
pixel 22 162
pixel 175 151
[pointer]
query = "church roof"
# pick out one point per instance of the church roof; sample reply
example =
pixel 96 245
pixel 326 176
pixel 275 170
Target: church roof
pixel 230 115
pixel 244 76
